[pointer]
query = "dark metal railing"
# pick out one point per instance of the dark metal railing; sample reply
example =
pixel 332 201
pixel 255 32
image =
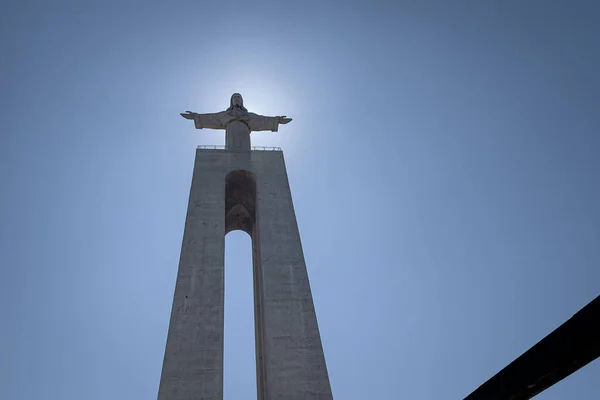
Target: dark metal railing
pixel 253 148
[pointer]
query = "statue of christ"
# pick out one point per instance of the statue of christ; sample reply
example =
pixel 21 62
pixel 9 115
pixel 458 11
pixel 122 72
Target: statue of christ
pixel 237 122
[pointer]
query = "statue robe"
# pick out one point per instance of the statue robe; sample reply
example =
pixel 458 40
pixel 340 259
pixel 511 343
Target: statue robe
pixel 222 119
pixel 237 124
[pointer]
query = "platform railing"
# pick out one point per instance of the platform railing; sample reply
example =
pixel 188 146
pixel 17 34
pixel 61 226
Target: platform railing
pixel 254 148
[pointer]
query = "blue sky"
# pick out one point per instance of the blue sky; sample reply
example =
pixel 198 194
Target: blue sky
pixel 443 160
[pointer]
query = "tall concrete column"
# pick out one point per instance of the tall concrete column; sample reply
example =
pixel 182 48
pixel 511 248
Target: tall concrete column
pixel 193 362
pixel 294 360
pixel 245 190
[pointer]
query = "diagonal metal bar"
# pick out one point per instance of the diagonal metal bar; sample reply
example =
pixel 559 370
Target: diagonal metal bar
pixel 568 348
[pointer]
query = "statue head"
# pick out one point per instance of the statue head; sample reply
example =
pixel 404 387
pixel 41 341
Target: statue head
pixel 236 102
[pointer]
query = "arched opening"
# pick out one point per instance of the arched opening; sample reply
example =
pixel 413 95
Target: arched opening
pixel 240 201
pixel 239 363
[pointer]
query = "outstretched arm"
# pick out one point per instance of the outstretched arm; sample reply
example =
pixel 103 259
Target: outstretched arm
pixel 263 123
pixel 211 121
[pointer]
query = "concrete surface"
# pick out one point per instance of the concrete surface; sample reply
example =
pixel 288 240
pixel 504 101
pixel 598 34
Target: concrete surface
pixel 245 190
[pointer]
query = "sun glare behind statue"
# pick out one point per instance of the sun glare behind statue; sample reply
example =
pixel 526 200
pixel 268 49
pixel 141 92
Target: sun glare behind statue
pixel 261 95
pixel 266 95
pixel 265 90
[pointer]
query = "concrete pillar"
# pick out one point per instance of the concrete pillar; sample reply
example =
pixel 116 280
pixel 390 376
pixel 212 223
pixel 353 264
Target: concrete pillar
pixel 248 191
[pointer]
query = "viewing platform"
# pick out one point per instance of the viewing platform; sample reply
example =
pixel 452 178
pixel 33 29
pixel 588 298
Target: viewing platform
pixel 253 148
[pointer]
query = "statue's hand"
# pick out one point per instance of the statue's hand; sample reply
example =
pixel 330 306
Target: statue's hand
pixel 284 120
pixel 188 115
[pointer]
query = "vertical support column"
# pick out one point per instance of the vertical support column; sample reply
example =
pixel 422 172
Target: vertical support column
pixel 193 363
pixel 291 345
